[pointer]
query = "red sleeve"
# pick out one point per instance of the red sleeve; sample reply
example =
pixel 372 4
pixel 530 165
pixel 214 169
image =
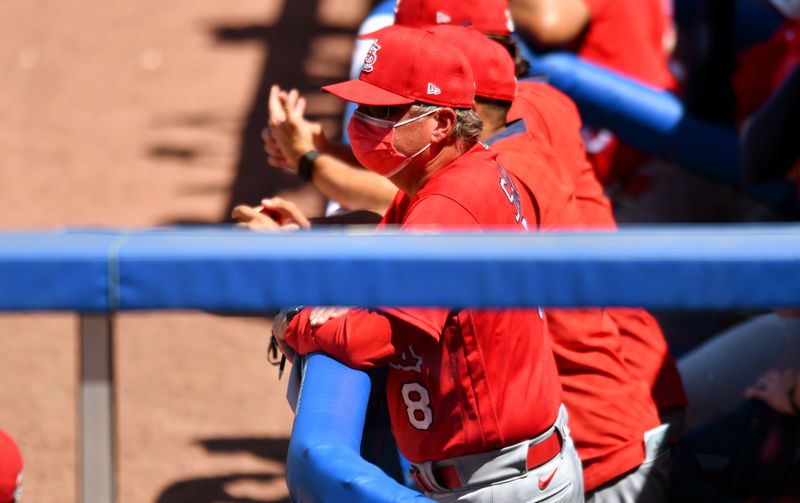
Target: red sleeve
pixel 361 338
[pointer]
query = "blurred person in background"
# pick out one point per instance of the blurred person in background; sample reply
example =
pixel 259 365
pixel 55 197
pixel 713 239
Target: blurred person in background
pixel 634 38
pixel 749 453
pixel 717 373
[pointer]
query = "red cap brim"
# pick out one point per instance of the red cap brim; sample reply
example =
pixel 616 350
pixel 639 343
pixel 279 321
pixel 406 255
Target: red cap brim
pixel 365 93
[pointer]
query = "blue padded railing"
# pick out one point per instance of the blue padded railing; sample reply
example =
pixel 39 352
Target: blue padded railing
pixel 652 120
pixel 324 462
pixel 238 271
pixel 226 270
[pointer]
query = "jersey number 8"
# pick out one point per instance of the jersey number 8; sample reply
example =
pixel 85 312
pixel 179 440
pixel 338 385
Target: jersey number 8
pixel 418 403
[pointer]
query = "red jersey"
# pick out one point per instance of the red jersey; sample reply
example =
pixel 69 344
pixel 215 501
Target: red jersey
pixel 646 351
pixel 547 110
pixel 629 37
pixel 550 112
pixel 761 70
pixel 632 38
pixel 450 388
pixel 610 406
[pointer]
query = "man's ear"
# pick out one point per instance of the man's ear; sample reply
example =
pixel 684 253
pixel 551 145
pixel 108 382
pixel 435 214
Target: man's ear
pixel 445 122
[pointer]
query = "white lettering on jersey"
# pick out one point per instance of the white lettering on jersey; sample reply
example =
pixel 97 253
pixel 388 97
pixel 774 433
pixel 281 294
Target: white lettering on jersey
pixel 418 401
pixel 408 361
pixel 510 190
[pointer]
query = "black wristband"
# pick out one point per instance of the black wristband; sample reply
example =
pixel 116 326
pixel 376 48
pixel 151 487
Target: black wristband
pixel 305 166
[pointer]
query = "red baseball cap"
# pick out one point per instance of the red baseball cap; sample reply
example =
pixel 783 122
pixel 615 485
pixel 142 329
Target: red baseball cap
pixel 491 63
pixel 406 65
pixel 490 17
pixel 10 469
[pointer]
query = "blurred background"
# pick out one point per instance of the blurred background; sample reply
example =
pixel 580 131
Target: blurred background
pixel 133 114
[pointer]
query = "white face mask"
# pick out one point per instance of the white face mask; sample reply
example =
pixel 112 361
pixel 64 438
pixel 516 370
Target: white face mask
pixel 789 8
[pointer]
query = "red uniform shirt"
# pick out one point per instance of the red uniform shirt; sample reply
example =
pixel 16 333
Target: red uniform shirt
pixel 545 109
pixel 632 38
pixel 450 388
pixel 610 405
pixel 550 112
pixel 628 36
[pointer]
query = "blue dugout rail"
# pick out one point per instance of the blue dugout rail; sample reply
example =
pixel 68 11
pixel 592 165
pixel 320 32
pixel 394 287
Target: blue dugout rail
pixel 226 270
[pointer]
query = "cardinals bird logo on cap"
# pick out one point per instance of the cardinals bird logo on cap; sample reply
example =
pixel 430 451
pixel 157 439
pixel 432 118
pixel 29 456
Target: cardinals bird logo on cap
pixel 372 57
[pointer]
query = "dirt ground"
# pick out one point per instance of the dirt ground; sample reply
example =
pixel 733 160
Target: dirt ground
pixel 136 114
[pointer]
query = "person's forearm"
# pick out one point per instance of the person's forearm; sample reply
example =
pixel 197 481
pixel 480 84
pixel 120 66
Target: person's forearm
pixel 352 187
pixel 361 338
pixel 550 22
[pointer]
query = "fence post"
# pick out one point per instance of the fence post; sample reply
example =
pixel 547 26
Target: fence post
pixel 97 405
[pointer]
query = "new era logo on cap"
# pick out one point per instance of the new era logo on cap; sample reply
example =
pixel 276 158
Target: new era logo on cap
pixel 443 18
pixel 432 89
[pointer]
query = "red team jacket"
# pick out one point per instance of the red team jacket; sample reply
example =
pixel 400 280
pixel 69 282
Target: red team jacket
pixel 644 347
pixel 451 389
pixel 610 407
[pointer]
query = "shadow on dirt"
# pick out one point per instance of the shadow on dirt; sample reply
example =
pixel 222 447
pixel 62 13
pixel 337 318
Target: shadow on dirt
pixel 232 487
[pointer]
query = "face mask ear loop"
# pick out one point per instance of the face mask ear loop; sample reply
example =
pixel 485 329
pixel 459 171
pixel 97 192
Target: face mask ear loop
pixel 418 117
pixel 408 160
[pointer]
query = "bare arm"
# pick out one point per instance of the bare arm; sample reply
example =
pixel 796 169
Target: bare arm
pixel 550 22
pixel 336 173
pixel 354 188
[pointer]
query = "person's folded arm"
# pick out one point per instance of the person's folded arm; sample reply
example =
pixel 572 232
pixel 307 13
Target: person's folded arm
pixel 550 22
pixel 361 338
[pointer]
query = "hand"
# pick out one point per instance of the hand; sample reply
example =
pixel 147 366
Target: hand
pixel 279 325
pixel 289 215
pixel 289 132
pixel 274 155
pixel 773 388
pixel 254 219
pixel 320 315
pixel 274 214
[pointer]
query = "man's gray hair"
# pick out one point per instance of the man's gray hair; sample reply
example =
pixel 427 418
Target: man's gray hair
pixel 468 126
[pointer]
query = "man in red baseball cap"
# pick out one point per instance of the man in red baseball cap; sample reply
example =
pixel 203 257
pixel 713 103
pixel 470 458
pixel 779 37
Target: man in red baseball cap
pixel 10 469
pixel 474 427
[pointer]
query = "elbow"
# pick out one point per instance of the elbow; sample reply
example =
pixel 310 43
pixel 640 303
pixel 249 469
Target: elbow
pixel 548 30
pixel 549 26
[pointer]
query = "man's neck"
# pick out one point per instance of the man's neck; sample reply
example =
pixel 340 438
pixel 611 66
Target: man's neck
pixel 489 130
